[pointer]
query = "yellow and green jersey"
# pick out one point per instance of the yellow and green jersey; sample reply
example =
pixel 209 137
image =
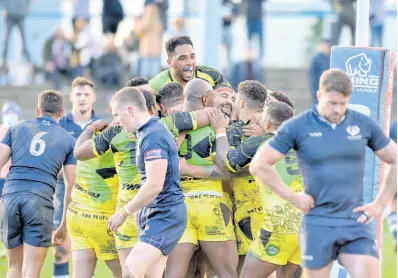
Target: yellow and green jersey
pixel 96 184
pixel 124 147
pixel 211 75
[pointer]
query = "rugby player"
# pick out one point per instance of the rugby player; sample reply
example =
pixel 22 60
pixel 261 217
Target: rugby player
pixel 163 215
pixel 82 97
pixel 207 215
pixel 170 99
pixel 183 68
pixel 38 150
pixel 330 141
pixel 392 215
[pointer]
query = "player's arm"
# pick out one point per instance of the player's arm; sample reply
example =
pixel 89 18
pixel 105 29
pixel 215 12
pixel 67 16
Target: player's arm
pixel 156 162
pixel 262 167
pixel 5 148
pixel 211 172
pixel 386 150
pixel 147 20
pixel 83 147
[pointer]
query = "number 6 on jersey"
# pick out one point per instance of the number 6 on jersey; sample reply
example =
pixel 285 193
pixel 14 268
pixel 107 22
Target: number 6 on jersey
pixel 37 151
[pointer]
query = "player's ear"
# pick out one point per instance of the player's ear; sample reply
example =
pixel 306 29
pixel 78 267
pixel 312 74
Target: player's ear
pixel 61 113
pixel 268 125
pixel 318 95
pixel 169 61
pixel 70 96
pixel 38 111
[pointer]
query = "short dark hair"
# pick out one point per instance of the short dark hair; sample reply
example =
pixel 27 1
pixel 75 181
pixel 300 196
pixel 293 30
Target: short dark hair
pixel 277 112
pixel 169 93
pixel 282 97
pixel 149 98
pixel 137 81
pixel 173 42
pixel 51 102
pixel 131 95
pixel 223 84
pixel 335 80
pixel 81 81
pixel 254 92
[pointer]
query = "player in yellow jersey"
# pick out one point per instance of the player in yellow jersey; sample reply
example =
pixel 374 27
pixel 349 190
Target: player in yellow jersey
pixel 182 61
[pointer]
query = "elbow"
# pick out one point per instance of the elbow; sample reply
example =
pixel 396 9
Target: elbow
pixel 255 168
pixel 77 154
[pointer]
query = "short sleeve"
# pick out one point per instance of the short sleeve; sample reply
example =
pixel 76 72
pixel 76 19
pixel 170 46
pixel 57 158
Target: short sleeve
pixel 180 122
pixel 7 138
pixel 102 142
pixel 393 131
pixel 154 147
pixel 377 138
pixel 285 140
pixel 70 158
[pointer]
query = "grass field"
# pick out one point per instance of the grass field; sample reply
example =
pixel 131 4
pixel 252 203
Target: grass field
pixel 389 262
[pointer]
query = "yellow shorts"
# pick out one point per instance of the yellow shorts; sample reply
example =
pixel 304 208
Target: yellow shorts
pixel 276 248
pixel 248 213
pixel 230 229
pixel 206 221
pixel 127 234
pixel 88 230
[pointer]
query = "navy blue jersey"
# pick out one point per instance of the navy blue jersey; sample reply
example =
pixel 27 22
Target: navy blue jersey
pixel 71 127
pixel 156 142
pixel 331 159
pixel 39 148
pixel 393 131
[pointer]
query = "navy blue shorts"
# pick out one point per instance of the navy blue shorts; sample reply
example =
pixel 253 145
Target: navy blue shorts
pixel 25 218
pixel 162 227
pixel 320 245
pixel 58 204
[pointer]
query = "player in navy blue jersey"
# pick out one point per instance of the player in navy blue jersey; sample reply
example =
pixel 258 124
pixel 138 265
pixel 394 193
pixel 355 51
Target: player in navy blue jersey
pixel 38 150
pixel 163 216
pixel 330 141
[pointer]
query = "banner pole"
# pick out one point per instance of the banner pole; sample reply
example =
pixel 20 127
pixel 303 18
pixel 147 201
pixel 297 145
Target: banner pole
pixel 362 26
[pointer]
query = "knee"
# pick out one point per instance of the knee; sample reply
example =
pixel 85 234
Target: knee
pixel 132 272
pixel 61 255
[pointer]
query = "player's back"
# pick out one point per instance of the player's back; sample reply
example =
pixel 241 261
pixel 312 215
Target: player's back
pixel 39 148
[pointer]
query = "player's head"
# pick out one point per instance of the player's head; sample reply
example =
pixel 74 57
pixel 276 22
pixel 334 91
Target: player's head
pixel 181 57
pixel 251 97
pixel 334 93
pixel 274 114
pixel 198 94
pixel 224 98
pixel 282 97
pixel 10 113
pixel 128 106
pixel 170 98
pixel 137 81
pixel 82 95
pixel 149 100
pixel 50 103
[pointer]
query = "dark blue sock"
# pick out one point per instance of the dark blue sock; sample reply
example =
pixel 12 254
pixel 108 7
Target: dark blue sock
pixel 61 269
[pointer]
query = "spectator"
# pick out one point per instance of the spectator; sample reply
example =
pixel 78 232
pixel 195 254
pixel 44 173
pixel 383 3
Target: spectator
pixel 253 10
pixel 112 14
pixel 109 67
pixel 377 17
pixel 56 53
pixel 80 9
pixel 345 15
pixel 14 12
pixel 320 62
pixel 149 30
pixel 248 69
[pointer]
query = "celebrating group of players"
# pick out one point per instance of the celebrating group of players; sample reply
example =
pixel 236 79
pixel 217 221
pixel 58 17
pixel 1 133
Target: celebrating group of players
pixel 202 191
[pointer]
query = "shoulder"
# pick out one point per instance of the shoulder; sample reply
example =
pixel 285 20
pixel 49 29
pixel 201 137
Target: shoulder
pixel 159 80
pixel 206 72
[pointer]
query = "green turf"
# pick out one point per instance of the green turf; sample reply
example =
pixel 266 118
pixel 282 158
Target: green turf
pixel 389 262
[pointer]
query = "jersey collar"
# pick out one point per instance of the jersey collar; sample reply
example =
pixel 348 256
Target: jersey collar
pixel 94 117
pixel 151 120
pixel 323 119
pixel 47 118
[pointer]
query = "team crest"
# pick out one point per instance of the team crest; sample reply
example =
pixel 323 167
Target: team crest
pixel 354 133
pixel 272 250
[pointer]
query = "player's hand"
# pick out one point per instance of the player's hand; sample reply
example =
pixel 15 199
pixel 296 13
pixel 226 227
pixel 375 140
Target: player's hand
pixel 115 221
pixel 59 236
pixel 304 202
pixel 218 119
pixel 252 130
pixel 369 212
pixel 99 125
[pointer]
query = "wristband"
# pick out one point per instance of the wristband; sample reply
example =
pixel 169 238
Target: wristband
pixel 220 135
pixel 127 210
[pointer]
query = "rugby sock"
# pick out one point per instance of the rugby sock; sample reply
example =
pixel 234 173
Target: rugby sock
pixel 392 222
pixel 61 270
